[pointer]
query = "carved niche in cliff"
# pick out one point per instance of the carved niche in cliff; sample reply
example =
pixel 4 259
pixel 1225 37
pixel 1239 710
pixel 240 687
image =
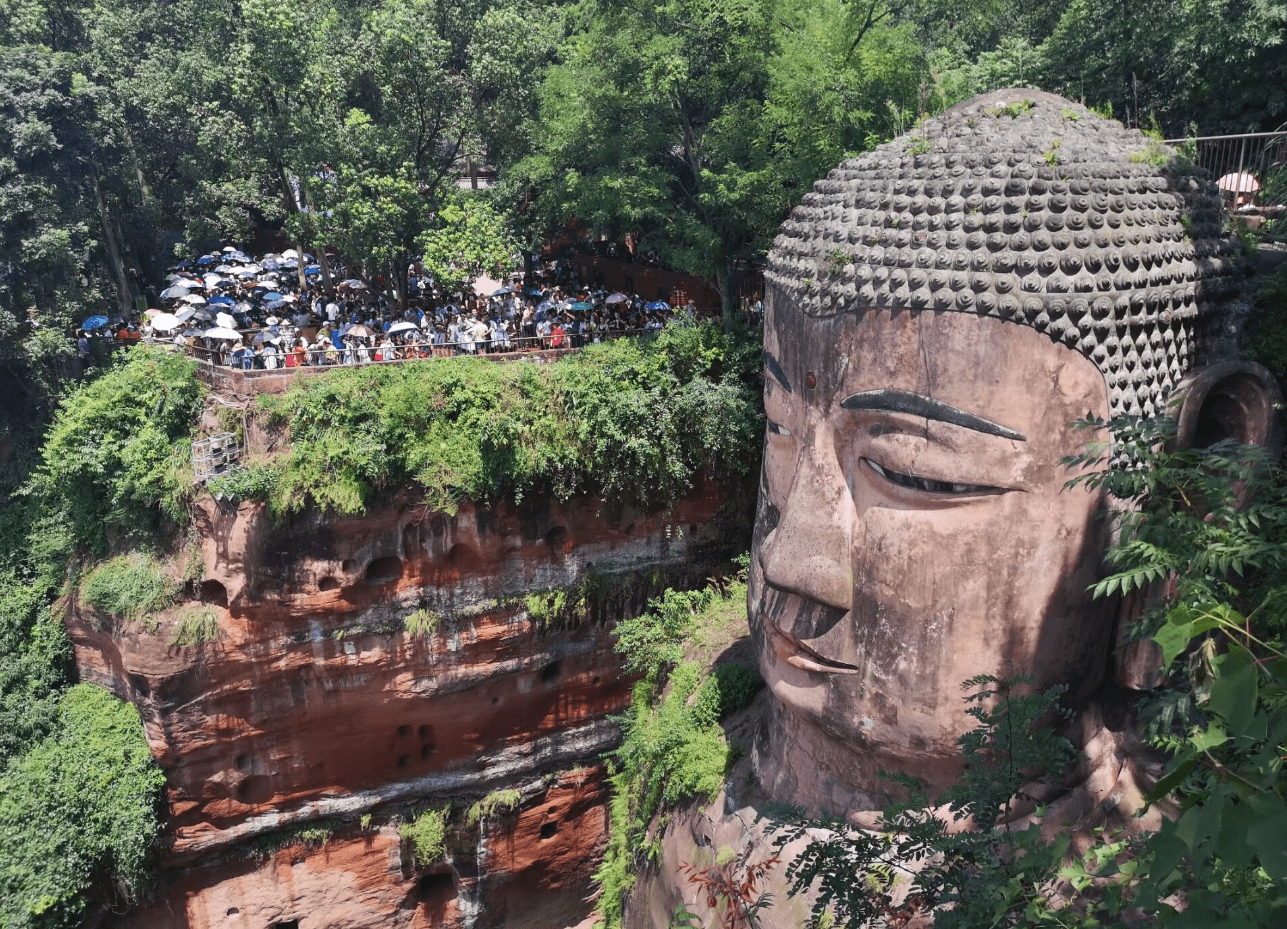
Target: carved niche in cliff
pixel 939 312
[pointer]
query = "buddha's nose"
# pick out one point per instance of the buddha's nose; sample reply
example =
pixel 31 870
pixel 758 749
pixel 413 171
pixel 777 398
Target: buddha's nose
pixel 808 553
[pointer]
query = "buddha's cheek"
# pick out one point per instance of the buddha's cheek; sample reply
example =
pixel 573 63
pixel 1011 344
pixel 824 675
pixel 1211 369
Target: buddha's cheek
pixel 995 587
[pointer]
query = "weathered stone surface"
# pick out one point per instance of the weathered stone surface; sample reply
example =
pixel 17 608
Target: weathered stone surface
pixel 939 314
pixel 529 870
pixel 315 703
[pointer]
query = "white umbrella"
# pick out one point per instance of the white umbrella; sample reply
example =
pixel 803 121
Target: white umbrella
pixel 222 332
pixel 290 253
pixel 223 319
pixel 228 248
pixel 185 314
pixel 401 327
pixel 1240 182
pixel 166 322
pixel 485 286
pixel 194 299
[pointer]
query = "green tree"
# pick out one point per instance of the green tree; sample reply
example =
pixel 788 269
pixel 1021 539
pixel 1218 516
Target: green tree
pixel 687 122
pixel 471 238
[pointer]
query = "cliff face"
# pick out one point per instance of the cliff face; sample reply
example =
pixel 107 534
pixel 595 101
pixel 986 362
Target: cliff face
pixel 365 667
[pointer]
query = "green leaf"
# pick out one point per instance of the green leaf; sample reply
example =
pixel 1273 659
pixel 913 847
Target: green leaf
pixel 1233 694
pixel 1268 836
pixel 1174 636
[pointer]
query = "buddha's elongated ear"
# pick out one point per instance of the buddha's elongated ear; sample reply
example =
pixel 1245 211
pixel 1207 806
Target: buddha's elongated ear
pixel 1237 400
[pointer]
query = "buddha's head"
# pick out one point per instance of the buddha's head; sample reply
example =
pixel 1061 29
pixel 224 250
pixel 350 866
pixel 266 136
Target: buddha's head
pixel 939 313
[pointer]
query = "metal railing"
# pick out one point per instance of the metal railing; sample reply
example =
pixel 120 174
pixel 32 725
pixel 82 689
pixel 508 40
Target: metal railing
pixel 1251 167
pixel 514 346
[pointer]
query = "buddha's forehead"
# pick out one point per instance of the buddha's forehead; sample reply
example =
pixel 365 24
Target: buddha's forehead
pixel 993 368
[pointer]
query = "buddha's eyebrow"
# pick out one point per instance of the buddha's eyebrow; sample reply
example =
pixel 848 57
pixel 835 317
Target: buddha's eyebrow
pixel 775 369
pixel 901 401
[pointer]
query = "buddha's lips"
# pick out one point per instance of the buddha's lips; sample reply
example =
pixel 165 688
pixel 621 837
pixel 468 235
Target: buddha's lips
pixel 788 646
pixel 798 655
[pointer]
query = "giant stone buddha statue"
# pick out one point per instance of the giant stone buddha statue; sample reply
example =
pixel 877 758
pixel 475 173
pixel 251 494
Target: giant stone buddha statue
pixel 939 313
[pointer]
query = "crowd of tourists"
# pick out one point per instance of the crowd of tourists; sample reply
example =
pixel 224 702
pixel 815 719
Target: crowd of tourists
pixel 277 311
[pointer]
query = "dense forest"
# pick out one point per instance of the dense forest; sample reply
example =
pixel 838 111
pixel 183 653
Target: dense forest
pixel 138 132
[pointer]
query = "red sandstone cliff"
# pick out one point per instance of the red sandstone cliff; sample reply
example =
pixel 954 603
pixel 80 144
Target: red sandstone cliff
pixel 315 706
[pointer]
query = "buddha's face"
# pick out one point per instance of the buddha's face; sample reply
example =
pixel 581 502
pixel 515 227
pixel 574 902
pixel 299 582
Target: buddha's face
pixel 915 529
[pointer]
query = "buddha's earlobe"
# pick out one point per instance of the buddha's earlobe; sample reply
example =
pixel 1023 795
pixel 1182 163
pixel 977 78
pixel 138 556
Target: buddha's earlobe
pixel 1237 400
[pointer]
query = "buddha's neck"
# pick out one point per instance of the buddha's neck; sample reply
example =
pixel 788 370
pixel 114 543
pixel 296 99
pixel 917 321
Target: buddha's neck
pixel 800 764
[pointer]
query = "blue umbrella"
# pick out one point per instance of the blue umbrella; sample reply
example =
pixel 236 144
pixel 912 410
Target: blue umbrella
pixel 657 305
pixel 207 259
pixel 270 297
pixel 221 299
pixel 534 292
pixel 313 269
pixel 502 292
pixel 94 322
pixel 545 306
pixel 580 307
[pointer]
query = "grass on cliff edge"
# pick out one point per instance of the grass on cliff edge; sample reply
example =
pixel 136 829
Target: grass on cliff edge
pixel 633 420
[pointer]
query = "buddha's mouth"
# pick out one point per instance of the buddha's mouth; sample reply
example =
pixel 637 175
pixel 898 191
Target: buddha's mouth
pixel 798 655
pixel 792 622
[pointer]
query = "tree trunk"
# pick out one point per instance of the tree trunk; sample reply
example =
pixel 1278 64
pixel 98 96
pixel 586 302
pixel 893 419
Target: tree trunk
pixel 728 294
pixel 125 296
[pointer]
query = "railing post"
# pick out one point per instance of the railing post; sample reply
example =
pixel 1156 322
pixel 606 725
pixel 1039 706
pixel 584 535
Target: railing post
pixel 1242 157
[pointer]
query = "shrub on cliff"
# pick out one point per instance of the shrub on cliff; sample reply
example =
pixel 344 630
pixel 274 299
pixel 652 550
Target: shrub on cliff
pixel 78 787
pixel 632 420
pixel 117 458
pixel 672 748
pixel 77 810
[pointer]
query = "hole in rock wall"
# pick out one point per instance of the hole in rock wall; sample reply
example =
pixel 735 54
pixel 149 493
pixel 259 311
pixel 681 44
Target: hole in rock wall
pixel 461 557
pixel 243 762
pixel 328 583
pixel 426 732
pixel 596 679
pixel 404 731
pixel 384 570
pixel 551 672
pixel 140 685
pixel 286 924
pixel 427 750
pixel 404 760
pixel 233 911
pixel 548 830
pixel 255 789
pixel 556 537
pixel 433 886
pixel 692 530
pixel 214 592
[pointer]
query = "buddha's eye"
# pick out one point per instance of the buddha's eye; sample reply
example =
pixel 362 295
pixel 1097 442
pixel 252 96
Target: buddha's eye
pixel 776 429
pixel 930 485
